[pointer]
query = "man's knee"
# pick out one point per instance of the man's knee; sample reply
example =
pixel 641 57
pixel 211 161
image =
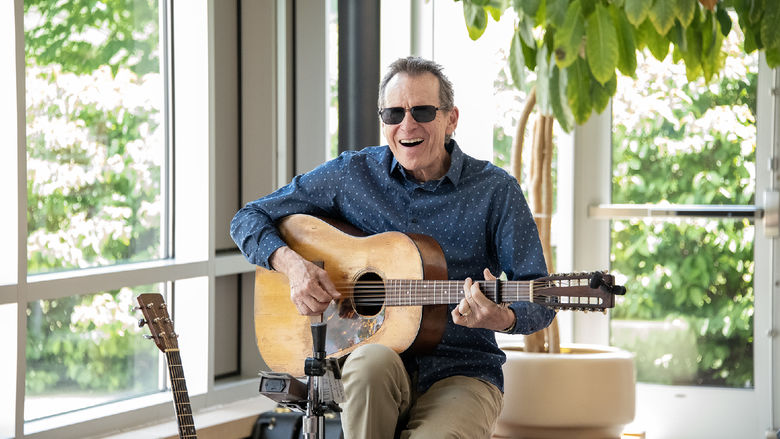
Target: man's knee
pixel 371 357
pixel 374 367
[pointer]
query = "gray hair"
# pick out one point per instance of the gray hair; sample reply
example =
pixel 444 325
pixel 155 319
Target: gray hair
pixel 414 66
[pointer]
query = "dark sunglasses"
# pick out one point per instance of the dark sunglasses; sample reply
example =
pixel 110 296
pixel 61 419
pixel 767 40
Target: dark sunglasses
pixel 420 113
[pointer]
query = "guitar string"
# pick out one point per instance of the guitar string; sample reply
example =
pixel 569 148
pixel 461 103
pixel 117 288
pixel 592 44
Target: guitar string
pixel 179 388
pixel 173 359
pixel 369 294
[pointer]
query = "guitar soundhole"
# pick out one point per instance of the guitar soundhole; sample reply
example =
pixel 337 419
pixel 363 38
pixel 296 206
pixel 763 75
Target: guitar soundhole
pixel 369 294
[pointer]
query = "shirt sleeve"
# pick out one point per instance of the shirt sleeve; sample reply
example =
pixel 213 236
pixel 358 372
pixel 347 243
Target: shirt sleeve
pixel 253 227
pixel 519 252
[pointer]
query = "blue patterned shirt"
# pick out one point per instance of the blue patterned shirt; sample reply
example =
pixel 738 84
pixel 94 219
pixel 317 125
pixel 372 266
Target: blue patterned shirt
pixel 476 212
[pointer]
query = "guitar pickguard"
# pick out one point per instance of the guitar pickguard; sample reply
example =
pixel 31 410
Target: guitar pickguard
pixel 346 327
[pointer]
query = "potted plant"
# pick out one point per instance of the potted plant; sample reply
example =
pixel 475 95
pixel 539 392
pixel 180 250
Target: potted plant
pixel 576 48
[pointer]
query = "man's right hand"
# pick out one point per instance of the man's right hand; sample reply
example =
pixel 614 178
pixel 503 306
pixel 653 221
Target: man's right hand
pixel 311 290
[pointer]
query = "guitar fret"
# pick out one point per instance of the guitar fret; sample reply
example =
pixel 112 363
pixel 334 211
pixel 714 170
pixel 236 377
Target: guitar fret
pixel 161 326
pixel 421 292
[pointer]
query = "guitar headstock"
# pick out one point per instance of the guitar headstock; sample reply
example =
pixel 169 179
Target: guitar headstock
pixel 594 291
pixel 155 313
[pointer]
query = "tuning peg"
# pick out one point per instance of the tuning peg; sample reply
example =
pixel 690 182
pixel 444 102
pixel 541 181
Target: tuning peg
pixel 596 280
pixel 142 322
pixel 148 337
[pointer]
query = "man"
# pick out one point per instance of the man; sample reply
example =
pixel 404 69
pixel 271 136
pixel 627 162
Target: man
pixel 420 183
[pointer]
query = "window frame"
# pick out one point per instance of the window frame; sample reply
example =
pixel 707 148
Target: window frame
pixel 190 215
pixel 592 187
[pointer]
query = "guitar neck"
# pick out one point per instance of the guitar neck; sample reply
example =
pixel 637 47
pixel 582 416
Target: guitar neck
pixel 566 292
pixel 181 398
pixel 404 292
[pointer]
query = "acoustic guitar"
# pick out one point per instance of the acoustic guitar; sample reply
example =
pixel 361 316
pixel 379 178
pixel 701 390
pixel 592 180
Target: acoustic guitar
pixel 394 291
pixel 155 313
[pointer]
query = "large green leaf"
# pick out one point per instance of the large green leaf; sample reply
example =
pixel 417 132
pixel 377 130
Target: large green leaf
pixel 692 53
pixel 770 25
pixel 558 101
pixel 657 43
pixel 476 19
pixel 496 8
pixel 757 10
pixel 555 12
pixel 601 94
pixel 637 10
pixel 662 15
pixel 529 53
pixel 527 7
pixel 525 27
pixel 712 40
pixel 543 74
pixel 724 20
pixel 773 56
pixel 517 62
pixel 601 46
pixel 686 11
pixel 578 90
pixel 568 39
pixel 626 44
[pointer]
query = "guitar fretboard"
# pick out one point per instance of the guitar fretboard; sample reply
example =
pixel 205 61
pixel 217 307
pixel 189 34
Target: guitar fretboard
pixel 181 398
pixel 406 292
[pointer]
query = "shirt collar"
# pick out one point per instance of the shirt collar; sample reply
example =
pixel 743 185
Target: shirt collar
pixel 453 174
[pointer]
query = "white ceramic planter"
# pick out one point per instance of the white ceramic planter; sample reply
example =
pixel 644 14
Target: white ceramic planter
pixel 586 391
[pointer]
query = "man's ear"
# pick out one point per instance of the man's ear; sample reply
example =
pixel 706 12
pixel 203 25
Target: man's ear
pixel 452 121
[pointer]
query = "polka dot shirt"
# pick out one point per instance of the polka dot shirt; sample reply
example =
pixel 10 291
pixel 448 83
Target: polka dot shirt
pixel 476 212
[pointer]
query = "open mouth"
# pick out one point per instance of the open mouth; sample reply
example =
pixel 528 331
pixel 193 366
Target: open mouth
pixel 411 142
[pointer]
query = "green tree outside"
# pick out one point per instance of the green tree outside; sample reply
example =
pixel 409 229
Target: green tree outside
pixel 95 150
pixel 683 142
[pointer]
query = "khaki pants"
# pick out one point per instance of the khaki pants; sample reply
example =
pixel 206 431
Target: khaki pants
pixel 380 398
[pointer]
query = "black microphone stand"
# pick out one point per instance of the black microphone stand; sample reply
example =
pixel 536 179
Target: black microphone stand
pixel 322 392
pixel 315 368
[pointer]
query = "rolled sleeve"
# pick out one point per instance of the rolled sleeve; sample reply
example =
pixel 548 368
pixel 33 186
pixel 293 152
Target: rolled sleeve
pixel 530 317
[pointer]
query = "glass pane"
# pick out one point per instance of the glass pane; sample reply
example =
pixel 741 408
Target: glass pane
pixel 689 312
pixel 688 315
pixel 95 133
pixel 333 79
pixel 87 350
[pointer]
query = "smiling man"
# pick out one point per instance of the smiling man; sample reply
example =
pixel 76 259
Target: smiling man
pixel 421 182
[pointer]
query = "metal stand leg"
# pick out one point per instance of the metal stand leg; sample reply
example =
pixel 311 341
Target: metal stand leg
pixel 321 394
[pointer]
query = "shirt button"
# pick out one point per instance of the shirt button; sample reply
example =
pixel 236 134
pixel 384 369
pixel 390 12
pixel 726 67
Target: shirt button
pixel 413 221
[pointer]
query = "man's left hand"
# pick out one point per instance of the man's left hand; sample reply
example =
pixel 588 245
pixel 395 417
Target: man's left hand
pixel 477 311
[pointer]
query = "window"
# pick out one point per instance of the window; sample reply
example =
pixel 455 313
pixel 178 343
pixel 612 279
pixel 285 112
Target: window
pixel 96 149
pixel 95 134
pixel 695 260
pixel 106 199
pixel 87 350
pixel 689 316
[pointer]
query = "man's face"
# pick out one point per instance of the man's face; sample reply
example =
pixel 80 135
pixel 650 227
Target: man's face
pixel 419 146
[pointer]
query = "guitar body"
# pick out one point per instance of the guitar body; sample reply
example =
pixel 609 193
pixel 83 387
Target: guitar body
pixel 284 336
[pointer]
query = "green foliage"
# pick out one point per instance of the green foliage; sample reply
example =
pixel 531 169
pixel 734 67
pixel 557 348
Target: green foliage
pixel 95 148
pixel 696 146
pixel 84 35
pixel 606 34
pixel 88 343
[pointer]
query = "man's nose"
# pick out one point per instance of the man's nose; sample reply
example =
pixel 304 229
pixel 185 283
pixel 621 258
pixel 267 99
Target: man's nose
pixel 408 119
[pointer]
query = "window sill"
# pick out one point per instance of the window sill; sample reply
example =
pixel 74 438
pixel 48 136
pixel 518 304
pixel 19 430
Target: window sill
pixel 230 420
